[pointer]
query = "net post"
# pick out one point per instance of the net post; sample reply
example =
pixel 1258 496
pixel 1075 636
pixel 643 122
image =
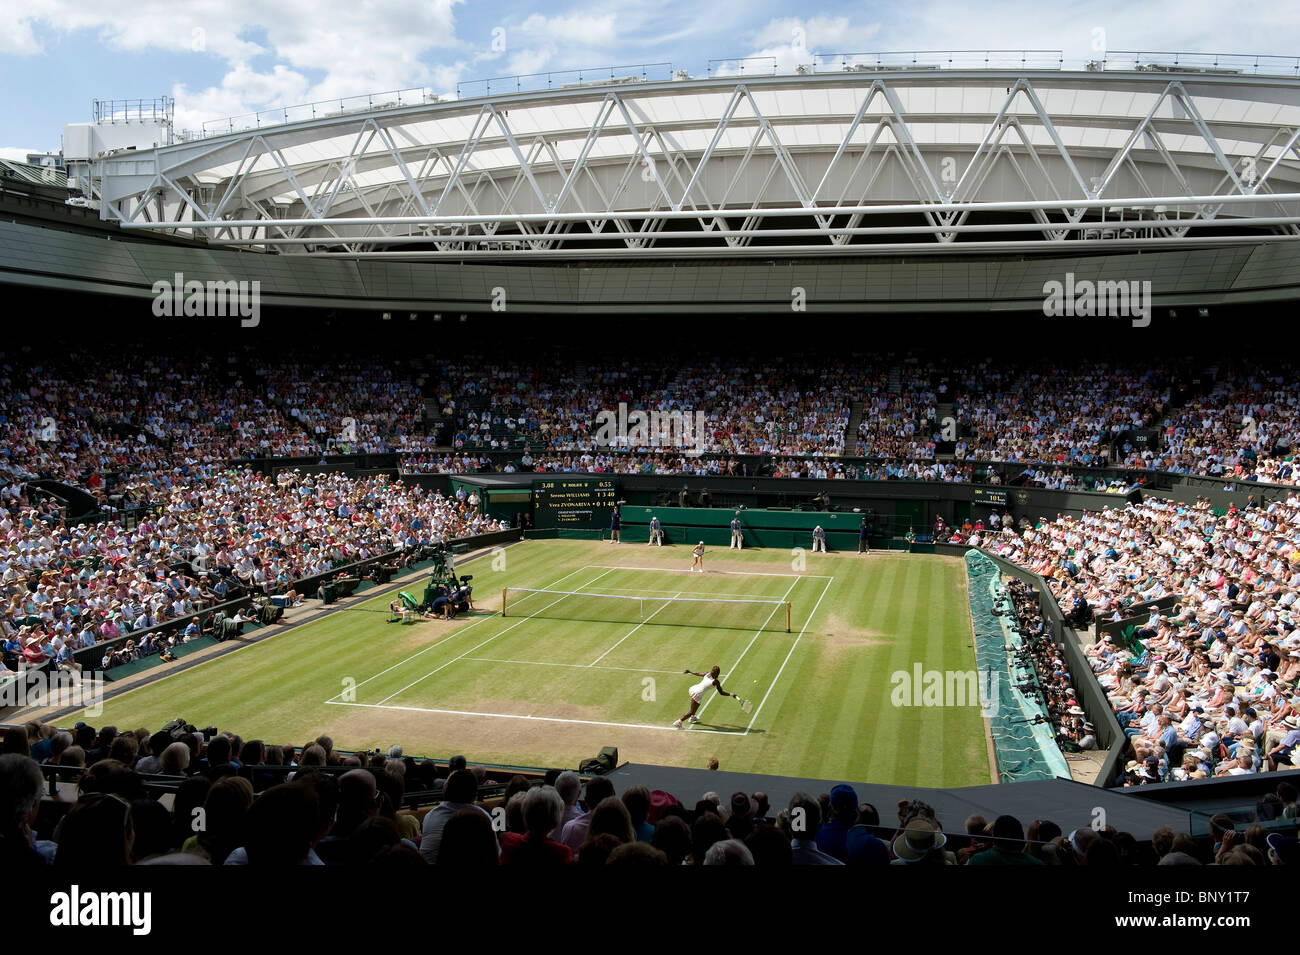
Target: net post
pixel 503 601
pixel 787 616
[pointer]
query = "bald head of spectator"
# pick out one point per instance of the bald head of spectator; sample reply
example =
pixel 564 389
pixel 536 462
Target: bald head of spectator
pixel 357 800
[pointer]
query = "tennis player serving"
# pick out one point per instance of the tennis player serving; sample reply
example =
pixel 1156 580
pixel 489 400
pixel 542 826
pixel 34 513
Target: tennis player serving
pixel 710 679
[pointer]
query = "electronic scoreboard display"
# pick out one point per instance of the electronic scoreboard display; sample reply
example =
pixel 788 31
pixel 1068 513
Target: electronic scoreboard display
pixel 996 498
pixel 574 502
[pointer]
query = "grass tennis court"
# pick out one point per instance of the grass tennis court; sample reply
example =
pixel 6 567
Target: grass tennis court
pixel 598 661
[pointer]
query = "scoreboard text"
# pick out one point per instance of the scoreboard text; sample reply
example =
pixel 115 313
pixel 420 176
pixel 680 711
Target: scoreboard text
pixel 573 502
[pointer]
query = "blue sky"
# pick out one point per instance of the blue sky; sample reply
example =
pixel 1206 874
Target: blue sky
pixel 223 58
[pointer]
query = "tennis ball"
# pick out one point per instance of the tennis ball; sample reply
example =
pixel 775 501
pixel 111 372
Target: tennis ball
pixel 755 681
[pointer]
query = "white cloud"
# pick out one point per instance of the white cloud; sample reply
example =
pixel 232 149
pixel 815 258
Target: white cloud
pixel 580 30
pixel 1185 25
pixel 318 49
pixel 793 41
pixel 17 153
pixel 529 61
pixel 271 53
pixel 242 90
pixel 16 36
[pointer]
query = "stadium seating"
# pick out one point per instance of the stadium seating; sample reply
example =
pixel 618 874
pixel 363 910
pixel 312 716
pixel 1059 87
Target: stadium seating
pixel 378 809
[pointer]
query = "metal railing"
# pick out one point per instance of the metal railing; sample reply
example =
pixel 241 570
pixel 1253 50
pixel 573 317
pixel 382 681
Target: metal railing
pixel 1210 63
pixel 937 60
pixel 566 79
pixel 743 66
pixel 161 109
pixel 738 67
pixel 365 102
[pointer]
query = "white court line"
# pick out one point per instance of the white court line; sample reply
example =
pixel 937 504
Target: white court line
pixel 750 644
pixel 632 631
pixel 487 641
pixel 451 636
pixel 729 573
pixel 540 719
pixel 576 666
pixel 759 708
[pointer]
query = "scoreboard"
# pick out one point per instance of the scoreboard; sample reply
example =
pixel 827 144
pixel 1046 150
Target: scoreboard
pixel 574 502
pixel 996 498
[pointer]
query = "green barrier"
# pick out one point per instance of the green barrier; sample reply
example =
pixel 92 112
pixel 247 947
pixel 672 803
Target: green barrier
pixel 124 670
pixel 777 530
pixel 579 534
pixel 1023 749
pixel 799 522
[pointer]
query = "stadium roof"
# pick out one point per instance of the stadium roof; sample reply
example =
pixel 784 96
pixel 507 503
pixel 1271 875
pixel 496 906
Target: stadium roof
pixel 882 161
pixel 36 175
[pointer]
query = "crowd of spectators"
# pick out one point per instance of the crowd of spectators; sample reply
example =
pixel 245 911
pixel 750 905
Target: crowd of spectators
pixel 1208 681
pixel 1054 415
pixel 1233 431
pixel 202 540
pixel 800 407
pixel 1049 416
pixel 900 424
pixel 1052 681
pixel 348 406
pixel 89 418
pixel 266 804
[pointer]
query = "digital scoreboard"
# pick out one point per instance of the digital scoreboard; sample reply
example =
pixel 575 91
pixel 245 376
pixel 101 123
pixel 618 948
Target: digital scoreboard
pixel 574 502
pixel 996 498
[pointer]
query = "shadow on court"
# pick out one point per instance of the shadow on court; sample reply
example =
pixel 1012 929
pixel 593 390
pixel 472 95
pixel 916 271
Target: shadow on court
pixel 728 727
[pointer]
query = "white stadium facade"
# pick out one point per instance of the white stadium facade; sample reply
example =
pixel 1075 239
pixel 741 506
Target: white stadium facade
pixel 936 182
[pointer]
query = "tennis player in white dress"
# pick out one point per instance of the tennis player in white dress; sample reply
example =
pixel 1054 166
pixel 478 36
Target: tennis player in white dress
pixel 709 679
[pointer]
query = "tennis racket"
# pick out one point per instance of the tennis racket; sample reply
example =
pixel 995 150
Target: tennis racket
pixel 745 705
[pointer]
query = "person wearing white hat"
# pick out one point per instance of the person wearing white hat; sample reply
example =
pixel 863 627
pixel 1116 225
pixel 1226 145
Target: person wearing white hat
pixel 921 843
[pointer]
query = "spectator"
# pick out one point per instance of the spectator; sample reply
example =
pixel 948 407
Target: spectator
pixel 1008 846
pixel 574 832
pixel 21 788
pixel 468 841
pixel 543 808
pixel 459 793
pixel 803 823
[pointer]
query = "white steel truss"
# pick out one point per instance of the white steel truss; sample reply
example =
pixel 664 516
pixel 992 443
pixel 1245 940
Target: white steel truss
pixel 911 162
